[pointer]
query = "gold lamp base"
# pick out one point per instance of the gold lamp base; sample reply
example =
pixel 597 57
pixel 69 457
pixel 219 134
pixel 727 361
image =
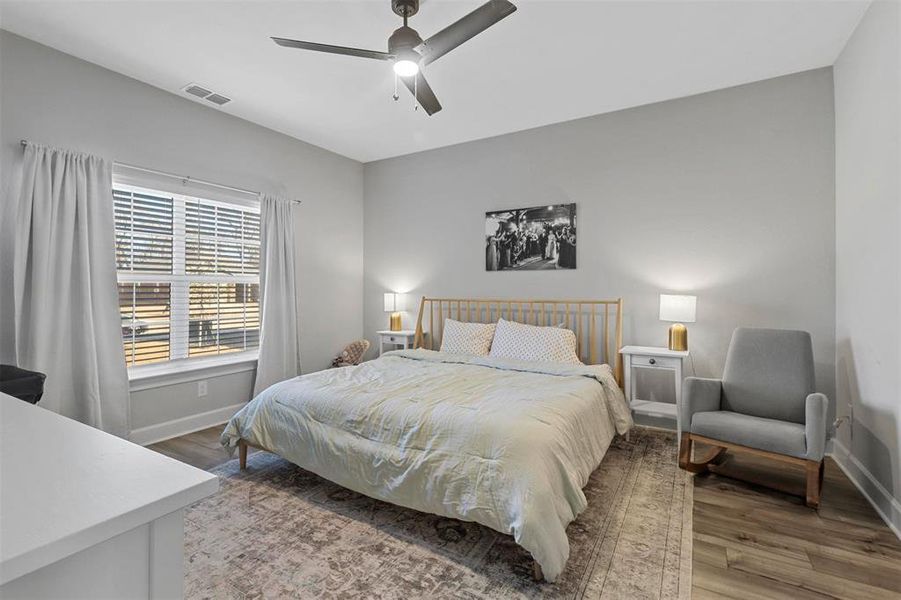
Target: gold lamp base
pixel 678 337
pixel 395 324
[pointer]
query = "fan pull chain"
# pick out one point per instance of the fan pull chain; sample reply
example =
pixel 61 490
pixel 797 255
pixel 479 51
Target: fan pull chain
pixel 415 93
pixel 395 96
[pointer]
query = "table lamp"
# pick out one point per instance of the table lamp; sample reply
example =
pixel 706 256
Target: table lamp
pixel 393 302
pixel 678 310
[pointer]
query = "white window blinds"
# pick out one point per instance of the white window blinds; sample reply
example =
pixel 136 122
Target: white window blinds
pixel 188 271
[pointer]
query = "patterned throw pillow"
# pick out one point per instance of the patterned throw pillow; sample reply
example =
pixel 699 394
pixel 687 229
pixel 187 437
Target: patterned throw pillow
pixel 466 338
pixel 528 342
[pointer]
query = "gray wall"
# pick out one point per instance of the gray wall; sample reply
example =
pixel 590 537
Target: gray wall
pixel 53 98
pixel 728 195
pixel 868 251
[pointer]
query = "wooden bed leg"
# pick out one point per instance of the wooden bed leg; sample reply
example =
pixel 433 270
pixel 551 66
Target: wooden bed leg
pixel 814 482
pixel 242 454
pixel 537 574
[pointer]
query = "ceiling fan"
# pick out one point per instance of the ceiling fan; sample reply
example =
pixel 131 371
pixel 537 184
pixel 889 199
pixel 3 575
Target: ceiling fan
pixel 410 52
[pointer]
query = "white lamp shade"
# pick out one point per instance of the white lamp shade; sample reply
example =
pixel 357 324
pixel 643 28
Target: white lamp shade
pixel 390 302
pixel 677 308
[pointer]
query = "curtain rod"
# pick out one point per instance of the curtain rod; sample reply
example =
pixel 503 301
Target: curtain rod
pixel 183 178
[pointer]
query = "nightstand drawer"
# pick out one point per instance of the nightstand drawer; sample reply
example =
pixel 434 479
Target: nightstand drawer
pixel 660 362
pixel 390 340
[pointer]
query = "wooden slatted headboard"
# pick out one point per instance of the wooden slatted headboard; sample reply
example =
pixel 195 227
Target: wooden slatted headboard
pixel 583 317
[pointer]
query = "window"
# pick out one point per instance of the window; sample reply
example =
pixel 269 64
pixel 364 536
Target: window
pixel 189 275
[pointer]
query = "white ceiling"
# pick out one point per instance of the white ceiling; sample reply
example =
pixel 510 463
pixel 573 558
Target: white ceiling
pixel 550 61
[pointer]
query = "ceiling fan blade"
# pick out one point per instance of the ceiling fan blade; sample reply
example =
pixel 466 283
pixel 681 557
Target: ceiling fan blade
pixel 423 93
pixel 333 49
pixel 466 28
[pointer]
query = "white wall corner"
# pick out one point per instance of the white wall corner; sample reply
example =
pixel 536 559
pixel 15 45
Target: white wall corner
pixel 887 506
pixel 176 427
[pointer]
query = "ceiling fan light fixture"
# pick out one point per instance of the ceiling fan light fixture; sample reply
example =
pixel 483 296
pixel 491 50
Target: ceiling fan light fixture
pixel 405 67
pixel 408 51
pixel 407 62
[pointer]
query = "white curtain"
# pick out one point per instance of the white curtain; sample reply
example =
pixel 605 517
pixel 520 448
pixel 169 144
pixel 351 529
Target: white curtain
pixel 279 349
pixel 67 322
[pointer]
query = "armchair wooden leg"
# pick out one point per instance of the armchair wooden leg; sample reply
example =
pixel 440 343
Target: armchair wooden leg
pixel 242 454
pixel 701 465
pixel 814 482
pixel 684 451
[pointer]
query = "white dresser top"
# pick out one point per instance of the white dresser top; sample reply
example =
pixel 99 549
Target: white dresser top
pixel 65 486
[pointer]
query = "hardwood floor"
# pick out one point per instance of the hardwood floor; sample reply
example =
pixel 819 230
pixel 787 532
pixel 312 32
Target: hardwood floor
pixel 753 542
pixel 750 542
pixel 200 449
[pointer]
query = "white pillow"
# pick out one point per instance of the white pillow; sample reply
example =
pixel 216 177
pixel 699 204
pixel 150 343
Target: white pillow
pixel 528 342
pixel 466 338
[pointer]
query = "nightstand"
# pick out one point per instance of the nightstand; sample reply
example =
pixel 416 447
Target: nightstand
pixel 647 357
pixel 403 338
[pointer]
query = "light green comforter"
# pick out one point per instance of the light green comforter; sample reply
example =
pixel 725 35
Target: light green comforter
pixel 508 444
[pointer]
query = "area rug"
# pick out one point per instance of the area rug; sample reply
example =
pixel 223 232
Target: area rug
pixel 278 531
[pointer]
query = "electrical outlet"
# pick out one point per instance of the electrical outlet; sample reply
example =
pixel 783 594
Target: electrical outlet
pixel 201 389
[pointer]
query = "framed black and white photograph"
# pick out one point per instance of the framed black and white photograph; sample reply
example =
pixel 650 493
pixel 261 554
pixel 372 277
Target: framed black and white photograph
pixel 531 239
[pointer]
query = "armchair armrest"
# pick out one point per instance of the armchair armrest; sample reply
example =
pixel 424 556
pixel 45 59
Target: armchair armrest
pixel 815 414
pixel 699 394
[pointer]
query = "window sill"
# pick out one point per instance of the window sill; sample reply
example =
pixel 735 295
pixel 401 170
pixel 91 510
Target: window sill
pixel 184 371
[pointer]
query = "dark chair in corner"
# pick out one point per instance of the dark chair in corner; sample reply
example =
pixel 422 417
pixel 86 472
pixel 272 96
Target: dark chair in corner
pixel 765 404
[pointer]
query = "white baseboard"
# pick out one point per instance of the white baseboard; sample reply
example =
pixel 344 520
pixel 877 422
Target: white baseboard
pixel 170 429
pixel 886 505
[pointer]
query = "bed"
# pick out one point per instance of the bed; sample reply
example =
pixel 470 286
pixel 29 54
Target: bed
pixel 506 443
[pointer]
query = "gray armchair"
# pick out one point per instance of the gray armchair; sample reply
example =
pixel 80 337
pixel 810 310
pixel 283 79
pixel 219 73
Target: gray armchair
pixel 765 404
